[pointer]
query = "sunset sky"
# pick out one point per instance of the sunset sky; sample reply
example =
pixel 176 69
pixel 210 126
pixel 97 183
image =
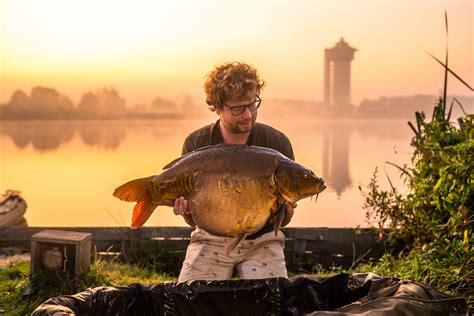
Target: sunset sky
pixel 164 48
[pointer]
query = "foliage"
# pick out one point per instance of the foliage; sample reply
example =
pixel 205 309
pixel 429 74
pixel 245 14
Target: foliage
pixel 441 197
pixel 21 293
pixel 430 228
pixel 429 231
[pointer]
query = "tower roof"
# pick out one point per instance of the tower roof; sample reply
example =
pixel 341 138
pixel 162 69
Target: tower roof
pixel 341 50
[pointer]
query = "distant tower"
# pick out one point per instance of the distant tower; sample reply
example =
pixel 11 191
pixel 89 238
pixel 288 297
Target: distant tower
pixel 337 74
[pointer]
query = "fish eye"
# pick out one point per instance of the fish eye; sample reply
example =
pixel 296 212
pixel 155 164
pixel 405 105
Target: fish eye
pixel 306 175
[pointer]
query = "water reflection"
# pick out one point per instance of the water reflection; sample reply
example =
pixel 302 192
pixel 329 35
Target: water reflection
pixel 384 130
pixel 336 139
pixel 108 135
pixel 104 136
pixel 46 136
pixel 345 153
pixel 41 135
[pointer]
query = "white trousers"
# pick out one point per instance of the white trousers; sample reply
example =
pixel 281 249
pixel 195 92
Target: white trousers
pixel 260 258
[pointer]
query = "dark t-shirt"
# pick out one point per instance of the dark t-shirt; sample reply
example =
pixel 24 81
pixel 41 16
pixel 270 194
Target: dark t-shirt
pixel 261 135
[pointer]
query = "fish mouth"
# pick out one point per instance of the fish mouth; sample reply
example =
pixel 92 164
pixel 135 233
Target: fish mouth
pixel 320 186
pixel 302 193
pixel 320 189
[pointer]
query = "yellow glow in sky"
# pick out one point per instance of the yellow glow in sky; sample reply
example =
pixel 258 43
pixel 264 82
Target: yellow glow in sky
pixel 164 48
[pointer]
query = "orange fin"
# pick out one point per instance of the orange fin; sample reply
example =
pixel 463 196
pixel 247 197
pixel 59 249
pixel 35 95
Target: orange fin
pixel 232 243
pixel 142 211
pixel 134 190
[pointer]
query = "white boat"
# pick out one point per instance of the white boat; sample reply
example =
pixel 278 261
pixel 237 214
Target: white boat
pixel 12 208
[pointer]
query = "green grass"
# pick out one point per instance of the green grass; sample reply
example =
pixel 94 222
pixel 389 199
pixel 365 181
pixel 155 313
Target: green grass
pixel 20 294
pixel 453 275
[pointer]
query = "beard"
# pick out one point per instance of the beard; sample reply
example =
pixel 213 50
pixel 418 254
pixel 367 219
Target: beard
pixel 242 127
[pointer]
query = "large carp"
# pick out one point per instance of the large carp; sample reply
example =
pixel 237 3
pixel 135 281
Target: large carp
pixel 231 189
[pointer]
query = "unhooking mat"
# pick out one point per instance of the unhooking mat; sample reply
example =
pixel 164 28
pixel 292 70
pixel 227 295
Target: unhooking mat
pixel 342 294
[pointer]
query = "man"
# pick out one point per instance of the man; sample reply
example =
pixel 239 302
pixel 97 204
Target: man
pixel 232 91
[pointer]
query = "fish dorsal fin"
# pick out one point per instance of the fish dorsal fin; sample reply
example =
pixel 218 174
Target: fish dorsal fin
pixel 171 164
pixel 232 243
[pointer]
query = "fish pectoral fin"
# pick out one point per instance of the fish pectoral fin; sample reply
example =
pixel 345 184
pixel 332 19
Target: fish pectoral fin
pixel 280 214
pixel 232 243
pixel 142 211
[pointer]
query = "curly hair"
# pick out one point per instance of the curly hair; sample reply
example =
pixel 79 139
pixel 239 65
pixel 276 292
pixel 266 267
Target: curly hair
pixel 231 80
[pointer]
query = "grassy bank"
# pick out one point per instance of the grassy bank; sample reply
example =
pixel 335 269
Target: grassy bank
pixel 20 294
pixel 451 275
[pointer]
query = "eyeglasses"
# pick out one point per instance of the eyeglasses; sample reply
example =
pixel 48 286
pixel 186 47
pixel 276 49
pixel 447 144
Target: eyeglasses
pixel 239 109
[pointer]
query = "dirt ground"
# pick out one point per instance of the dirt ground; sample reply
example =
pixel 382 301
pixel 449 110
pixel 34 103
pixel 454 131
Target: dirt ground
pixel 12 254
pixel 6 260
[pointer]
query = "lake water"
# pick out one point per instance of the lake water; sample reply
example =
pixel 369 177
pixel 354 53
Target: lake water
pixel 67 171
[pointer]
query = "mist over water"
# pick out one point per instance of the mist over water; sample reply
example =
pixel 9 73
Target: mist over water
pixel 67 170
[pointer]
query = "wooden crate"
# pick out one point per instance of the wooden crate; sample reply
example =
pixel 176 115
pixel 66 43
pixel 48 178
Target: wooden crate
pixel 63 251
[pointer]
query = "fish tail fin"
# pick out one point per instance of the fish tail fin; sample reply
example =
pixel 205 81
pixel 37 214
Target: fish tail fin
pixel 134 190
pixel 137 191
pixel 142 211
pixel 232 243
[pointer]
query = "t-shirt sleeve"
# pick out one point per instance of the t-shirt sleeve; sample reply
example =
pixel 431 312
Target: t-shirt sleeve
pixel 284 146
pixel 188 146
pixel 197 139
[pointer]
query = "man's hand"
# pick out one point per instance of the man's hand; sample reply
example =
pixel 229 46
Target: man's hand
pixel 181 207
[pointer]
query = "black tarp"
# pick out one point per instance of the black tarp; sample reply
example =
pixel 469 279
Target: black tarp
pixel 342 294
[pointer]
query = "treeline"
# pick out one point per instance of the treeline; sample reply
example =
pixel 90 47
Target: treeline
pixel 405 106
pixel 104 103
pixel 394 107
